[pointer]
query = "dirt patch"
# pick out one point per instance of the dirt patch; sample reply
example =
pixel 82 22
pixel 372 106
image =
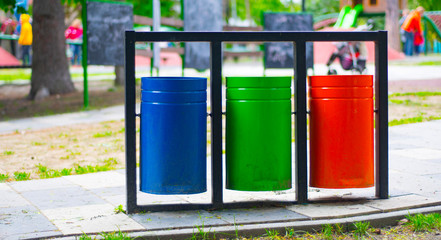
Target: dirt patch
pixel 63 147
pixel 13 102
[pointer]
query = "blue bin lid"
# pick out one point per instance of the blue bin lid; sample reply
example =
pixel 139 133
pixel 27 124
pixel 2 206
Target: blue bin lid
pixel 174 97
pixel 174 84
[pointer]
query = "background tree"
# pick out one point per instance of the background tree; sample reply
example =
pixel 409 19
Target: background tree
pixel 392 26
pixel 50 68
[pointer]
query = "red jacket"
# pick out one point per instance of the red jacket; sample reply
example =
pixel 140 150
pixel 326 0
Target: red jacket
pixel 412 22
pixel 73 33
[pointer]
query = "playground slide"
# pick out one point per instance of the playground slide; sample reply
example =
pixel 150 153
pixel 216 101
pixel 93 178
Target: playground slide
pixel 345 10
pixel 348 17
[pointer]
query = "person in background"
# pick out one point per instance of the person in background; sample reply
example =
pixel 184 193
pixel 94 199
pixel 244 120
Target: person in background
pixel 8 27
pixel 403 35
pixel 412 25
pixel 25 39
pixel 75 32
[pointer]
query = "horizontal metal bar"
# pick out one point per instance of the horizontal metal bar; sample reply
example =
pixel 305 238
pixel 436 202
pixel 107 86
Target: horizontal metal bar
pixel 264 36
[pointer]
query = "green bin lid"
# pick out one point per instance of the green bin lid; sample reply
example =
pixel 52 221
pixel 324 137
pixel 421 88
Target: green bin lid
pixel 258 82
pixel 258 93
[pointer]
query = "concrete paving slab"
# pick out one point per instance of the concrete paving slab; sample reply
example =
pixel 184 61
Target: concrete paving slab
pixel 40 184
pixel 420 185
pixel 254 215
pixel 4 186
pixel 418 153
pixel 18 222
pixel 403 202
pixel 407 165
pixel 196 198
pixel 10 198
pixel 90 219
pixel 177 220
pixel 333 210
pixel 146 199
pixel 98 180
pixel 62 198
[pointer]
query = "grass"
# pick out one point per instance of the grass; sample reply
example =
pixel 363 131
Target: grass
pixel 4 177
pixel 107 236
pixel 8 153
pixel 44 172
pixel 21 176
pixel 424 223
pixel 119 209
pixel 413 120
pixel 10 75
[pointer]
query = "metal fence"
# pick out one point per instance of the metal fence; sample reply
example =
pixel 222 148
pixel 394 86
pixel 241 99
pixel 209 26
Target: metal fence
pixel 216 39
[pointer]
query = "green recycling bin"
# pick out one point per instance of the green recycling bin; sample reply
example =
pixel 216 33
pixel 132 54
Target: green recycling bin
pixel 258 133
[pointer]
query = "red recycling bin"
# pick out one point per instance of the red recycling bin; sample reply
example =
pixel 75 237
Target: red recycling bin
pixel 341 131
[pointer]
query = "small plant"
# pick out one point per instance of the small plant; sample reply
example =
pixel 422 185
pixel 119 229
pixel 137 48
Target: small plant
pixel 66 171
pixel 327 231
pixel 420 222
pixel 4 177
pixel 119 209
pixel 361 229
pixel 272 233
pixel 38 143
pixel 103 134
pixel 8 153
pixel 21 176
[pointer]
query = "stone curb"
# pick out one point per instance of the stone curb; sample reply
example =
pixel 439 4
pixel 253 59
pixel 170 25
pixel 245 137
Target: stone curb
pixel 254 230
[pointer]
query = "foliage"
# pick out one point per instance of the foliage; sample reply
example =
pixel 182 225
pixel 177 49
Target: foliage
pixel 257 8
pixel 429 5
pixel 321 7
pixel 145 8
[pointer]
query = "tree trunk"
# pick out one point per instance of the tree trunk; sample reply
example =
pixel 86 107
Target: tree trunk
pixel 50 68
pixel 392 26
pixel 120 76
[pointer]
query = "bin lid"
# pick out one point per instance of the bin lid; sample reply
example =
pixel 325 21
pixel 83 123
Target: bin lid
pixel 174 84
pixel 340 92
pixel 174 97
pixel 258 82
pixel 258 93
pixel 341 81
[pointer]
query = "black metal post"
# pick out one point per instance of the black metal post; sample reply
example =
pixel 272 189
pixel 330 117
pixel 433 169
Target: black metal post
pixel 130 121
pixel 301 161
pixel 216 123
pixel 381 117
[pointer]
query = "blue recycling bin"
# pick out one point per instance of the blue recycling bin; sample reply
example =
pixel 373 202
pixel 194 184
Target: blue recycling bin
pixel 173 133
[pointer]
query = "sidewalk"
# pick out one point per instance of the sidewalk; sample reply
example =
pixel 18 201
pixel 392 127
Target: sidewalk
pixel 73 205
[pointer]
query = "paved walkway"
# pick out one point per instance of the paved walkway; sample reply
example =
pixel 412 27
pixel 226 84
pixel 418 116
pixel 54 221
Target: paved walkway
pixel 77 204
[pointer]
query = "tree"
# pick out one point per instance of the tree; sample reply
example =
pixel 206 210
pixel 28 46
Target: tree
pixel 392 26
pixel 50 68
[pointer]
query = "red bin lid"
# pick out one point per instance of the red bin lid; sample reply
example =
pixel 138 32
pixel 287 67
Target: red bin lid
pixel 341 81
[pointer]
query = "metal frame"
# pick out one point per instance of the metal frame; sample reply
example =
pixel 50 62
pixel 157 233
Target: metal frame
pixel 216 39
